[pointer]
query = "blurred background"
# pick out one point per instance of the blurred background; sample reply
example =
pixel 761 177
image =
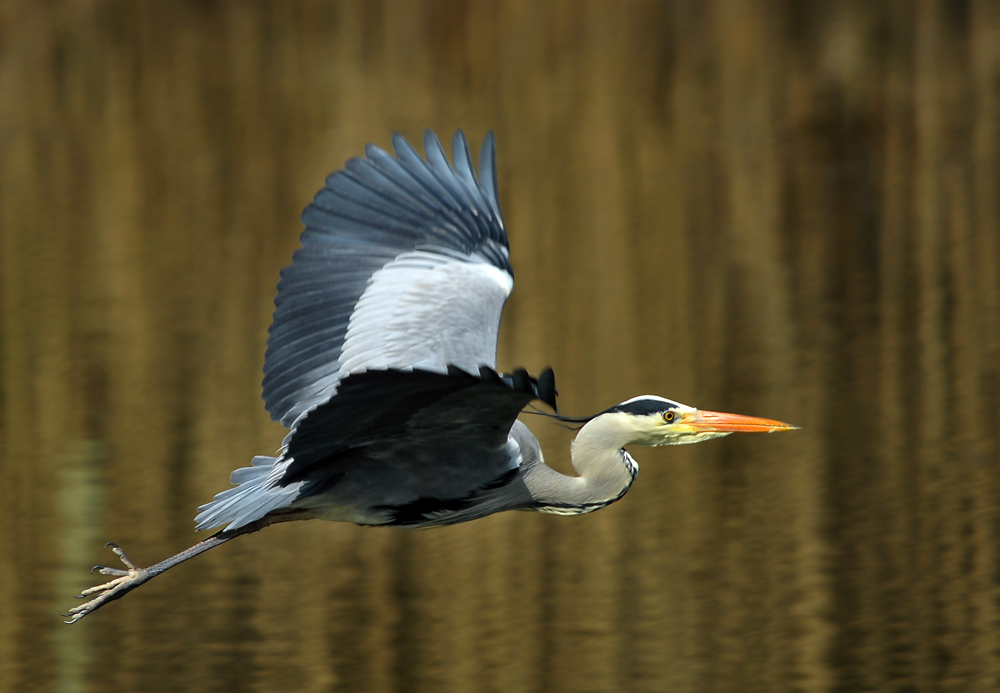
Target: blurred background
pixel 783 209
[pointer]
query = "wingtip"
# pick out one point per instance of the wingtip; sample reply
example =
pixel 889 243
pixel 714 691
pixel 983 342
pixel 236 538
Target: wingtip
pixel 375 152
pixel 402 146
pixel 488 167
pixel 432 144
pixel 462 158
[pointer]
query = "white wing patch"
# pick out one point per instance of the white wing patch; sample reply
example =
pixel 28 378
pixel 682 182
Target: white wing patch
pixel 425 310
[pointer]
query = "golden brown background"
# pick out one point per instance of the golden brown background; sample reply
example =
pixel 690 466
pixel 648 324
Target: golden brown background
pixel 787 209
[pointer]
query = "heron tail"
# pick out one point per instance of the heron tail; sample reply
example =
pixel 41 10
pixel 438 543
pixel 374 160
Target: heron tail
pixel 252 497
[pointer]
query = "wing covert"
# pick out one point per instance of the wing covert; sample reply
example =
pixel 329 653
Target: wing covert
pixel 462 421
pixel 387 439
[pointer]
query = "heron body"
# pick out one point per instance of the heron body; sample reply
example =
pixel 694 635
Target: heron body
pixel 381 362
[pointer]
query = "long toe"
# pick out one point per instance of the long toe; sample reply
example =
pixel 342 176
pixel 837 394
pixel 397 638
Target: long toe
pixel 105 593
pixel 121 554
pixel 125 580
pixel 106 587
pixel 104 570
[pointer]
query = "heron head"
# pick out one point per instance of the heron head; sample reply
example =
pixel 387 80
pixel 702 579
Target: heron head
pixel 655 421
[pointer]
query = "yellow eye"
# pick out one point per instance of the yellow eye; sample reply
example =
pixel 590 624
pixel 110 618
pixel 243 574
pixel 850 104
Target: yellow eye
pixel 669 416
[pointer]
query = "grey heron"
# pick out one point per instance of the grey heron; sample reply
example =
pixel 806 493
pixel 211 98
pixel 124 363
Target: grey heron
pixel 381 362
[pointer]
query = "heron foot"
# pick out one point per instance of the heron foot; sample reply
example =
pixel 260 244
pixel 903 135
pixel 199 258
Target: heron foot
pixel 125 580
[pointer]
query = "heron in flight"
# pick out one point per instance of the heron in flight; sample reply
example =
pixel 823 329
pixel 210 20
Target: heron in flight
pixel 381 362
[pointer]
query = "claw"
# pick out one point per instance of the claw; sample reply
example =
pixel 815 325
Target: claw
pixel 113 589
pixel 128 579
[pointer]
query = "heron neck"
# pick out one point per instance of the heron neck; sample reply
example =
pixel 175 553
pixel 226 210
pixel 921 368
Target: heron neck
pixel 605 471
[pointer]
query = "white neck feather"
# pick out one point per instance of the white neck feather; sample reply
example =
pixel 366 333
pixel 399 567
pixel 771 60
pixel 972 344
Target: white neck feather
pixel 605 470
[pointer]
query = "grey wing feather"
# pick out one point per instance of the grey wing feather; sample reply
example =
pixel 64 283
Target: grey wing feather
pixel 252 497
pixel 423 445
pixel 399 233
pixel 488 172
pixel 398 447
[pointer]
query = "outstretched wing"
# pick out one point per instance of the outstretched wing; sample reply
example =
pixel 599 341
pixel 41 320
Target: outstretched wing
pixel 404 264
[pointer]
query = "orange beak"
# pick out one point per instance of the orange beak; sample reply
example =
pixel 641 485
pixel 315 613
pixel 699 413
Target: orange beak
pixel 719 422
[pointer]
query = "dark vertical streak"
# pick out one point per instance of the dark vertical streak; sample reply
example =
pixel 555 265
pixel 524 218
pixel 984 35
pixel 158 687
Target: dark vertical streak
pixel 408 641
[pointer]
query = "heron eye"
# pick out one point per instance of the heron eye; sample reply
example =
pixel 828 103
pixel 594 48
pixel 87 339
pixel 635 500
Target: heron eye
pixel 669 416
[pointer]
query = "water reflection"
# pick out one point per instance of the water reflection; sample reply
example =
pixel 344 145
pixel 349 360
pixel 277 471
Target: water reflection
pixel 789 212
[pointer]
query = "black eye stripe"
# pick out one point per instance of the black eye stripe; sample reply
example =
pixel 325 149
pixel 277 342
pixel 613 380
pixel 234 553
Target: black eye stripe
pixel 642 407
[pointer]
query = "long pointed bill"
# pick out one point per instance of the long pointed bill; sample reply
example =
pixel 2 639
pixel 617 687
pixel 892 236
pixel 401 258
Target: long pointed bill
pixel 719 422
